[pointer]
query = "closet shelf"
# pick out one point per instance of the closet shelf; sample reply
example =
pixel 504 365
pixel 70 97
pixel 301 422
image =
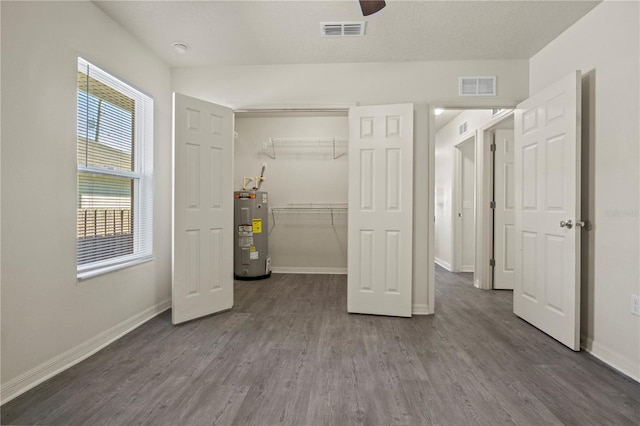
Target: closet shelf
pixel 309 207
pixel 305 143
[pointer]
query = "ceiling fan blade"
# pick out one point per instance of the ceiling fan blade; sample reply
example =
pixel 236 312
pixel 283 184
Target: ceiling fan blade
pixel 370 7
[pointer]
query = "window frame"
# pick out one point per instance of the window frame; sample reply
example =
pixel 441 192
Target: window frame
pixel 141 176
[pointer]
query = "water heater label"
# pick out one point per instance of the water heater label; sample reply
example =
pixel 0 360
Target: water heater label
pixel 253 255
pixel 245 241
pixel 257 226
pixel 265 198
pixel 245 230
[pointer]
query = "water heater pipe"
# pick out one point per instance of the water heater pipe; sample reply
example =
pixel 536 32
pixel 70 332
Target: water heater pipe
pixel 260 179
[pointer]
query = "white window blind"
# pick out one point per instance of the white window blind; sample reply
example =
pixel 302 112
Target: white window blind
pixel 115 173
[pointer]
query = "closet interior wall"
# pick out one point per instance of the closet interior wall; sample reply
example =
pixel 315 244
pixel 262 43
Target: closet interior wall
pixel 303 173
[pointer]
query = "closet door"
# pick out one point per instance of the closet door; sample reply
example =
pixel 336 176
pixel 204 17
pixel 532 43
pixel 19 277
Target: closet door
pixel 380 210
pixel 202 209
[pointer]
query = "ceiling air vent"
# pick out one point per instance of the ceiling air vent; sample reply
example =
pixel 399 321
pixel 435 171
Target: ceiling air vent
pixel 477 86
pixel 342 29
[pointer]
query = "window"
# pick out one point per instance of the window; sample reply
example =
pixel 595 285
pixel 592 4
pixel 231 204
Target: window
pixel 115 173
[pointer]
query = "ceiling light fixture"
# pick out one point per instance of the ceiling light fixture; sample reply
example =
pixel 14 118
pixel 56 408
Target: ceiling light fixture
pixel 180 47
pixel 438 111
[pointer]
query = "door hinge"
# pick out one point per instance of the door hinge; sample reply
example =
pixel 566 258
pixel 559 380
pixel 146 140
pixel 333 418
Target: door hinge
pixel 493 147
pixel 492 204
pixel 492 262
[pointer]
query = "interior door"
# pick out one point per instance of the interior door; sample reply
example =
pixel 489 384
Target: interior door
pixel 504 224
pixel 547 171
pixel 202 208
pixel 380 236
pixel 466 231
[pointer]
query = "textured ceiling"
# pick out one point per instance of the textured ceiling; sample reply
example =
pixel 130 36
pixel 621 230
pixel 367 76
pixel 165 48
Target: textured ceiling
pixel 288 32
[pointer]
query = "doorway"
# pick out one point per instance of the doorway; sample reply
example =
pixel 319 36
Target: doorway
pixel 464 190
pixel 380 183
pixel 307 220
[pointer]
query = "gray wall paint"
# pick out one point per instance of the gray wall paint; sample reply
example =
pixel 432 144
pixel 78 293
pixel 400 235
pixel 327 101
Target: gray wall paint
pixel 45 312
pixel 605 45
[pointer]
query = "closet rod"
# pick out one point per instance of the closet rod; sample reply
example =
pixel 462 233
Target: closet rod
pixel 305 142
pixel 342 109
pixel 318 207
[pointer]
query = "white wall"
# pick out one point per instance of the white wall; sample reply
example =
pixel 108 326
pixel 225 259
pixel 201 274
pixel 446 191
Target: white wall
pixel 301 241
pixel 605 46
pixel 367 84
pixel 48 319
pixel 446 140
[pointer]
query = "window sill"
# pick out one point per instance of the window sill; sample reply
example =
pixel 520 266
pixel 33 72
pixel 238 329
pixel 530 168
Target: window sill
pixel 91 272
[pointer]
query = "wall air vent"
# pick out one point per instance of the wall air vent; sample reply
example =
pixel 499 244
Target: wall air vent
pixel 342 29
pixel 477 86
pixel 462 129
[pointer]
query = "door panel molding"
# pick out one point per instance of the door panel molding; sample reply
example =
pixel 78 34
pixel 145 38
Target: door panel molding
pixel 504 210
pixel 380 260
pixel 547 170
pixel 202 251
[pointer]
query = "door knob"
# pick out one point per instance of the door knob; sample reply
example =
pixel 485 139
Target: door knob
pixel 580 224
pixel 568 224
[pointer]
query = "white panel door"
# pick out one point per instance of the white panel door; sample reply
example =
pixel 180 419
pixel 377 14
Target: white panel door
pixel 202 208
pixel 547 171
pixel 380 210
pixel 466 206
pixel 504 224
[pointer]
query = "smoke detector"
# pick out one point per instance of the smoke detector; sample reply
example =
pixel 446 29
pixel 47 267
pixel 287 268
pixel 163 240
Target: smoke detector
pixel 342 29
pixel 180 47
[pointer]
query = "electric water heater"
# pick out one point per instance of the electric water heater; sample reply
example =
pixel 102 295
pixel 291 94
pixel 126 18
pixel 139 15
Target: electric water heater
pixel 251 225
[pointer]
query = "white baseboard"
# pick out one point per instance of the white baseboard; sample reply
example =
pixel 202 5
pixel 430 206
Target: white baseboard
pixel 307 270
pixel 45 371
pixel 445 265
pixel 420 309
pixel 468 269
pixel 616 361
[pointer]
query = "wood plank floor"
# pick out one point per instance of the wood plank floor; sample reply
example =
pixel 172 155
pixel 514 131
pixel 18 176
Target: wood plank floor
pixel 288 353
